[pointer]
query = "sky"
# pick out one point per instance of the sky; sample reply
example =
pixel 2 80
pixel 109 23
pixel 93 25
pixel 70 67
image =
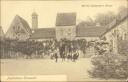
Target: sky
pixel 47 10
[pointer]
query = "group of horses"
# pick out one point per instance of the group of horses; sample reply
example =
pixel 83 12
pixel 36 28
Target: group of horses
pixel 73 56
pixel 65 52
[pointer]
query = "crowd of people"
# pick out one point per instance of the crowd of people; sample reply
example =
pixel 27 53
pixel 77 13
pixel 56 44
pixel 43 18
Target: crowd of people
pixel 64 55
pixel 63 49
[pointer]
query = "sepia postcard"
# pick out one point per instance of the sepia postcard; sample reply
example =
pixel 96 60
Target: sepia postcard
pixel 63 40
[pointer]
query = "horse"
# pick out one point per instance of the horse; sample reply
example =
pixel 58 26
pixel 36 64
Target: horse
pixel 69 56
pixel 52 55
pixel 63 56
pixel 75 56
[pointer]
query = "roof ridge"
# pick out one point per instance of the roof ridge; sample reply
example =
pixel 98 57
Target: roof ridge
pixel 42 33
pixel 117 22
pixel 44 28
pixel 66 13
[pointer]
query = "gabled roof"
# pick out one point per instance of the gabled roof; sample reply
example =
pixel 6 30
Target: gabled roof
pixel 90 31
pixel 18 20
pixel 66 19
pixel 25 24
pixel 115 23
pixel 43 33
pixel 13 32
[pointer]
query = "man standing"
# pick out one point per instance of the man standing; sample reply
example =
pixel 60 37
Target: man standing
pixel 56 55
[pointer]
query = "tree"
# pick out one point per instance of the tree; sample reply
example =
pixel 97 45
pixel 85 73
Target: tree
pixel 123 12
pixel 82 45
pixel 88 22
pixel 105 18
pixel 100 47
pixel 108 65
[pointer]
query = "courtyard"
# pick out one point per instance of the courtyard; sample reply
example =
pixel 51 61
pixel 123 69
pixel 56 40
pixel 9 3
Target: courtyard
pixel 75 71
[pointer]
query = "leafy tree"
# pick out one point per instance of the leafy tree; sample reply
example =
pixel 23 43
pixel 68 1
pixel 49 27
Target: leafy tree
pixel 109 65
pixel 105 18
pixel 82 45
pixel 86 23
pixel 123 11
pixel 99 47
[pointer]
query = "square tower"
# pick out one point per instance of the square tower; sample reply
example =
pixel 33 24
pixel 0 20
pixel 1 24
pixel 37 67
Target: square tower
pixel 34 20
pixel 66 26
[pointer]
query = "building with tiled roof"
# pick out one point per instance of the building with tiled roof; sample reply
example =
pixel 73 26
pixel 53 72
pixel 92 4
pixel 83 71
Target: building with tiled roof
pixel 65 28
pixel 89 32
pixel 66 19
pixel 19 29
pixel 118 31
pixel 44 33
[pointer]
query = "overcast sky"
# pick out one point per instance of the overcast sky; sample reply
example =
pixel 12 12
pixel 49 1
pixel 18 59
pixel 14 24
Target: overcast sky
pixel 47 10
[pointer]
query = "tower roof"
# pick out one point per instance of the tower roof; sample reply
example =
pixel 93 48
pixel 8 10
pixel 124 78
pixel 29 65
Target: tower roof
pixel 66 19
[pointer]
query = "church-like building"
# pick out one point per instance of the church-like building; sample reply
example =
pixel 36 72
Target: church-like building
pixel 117 32
pixel 65 27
